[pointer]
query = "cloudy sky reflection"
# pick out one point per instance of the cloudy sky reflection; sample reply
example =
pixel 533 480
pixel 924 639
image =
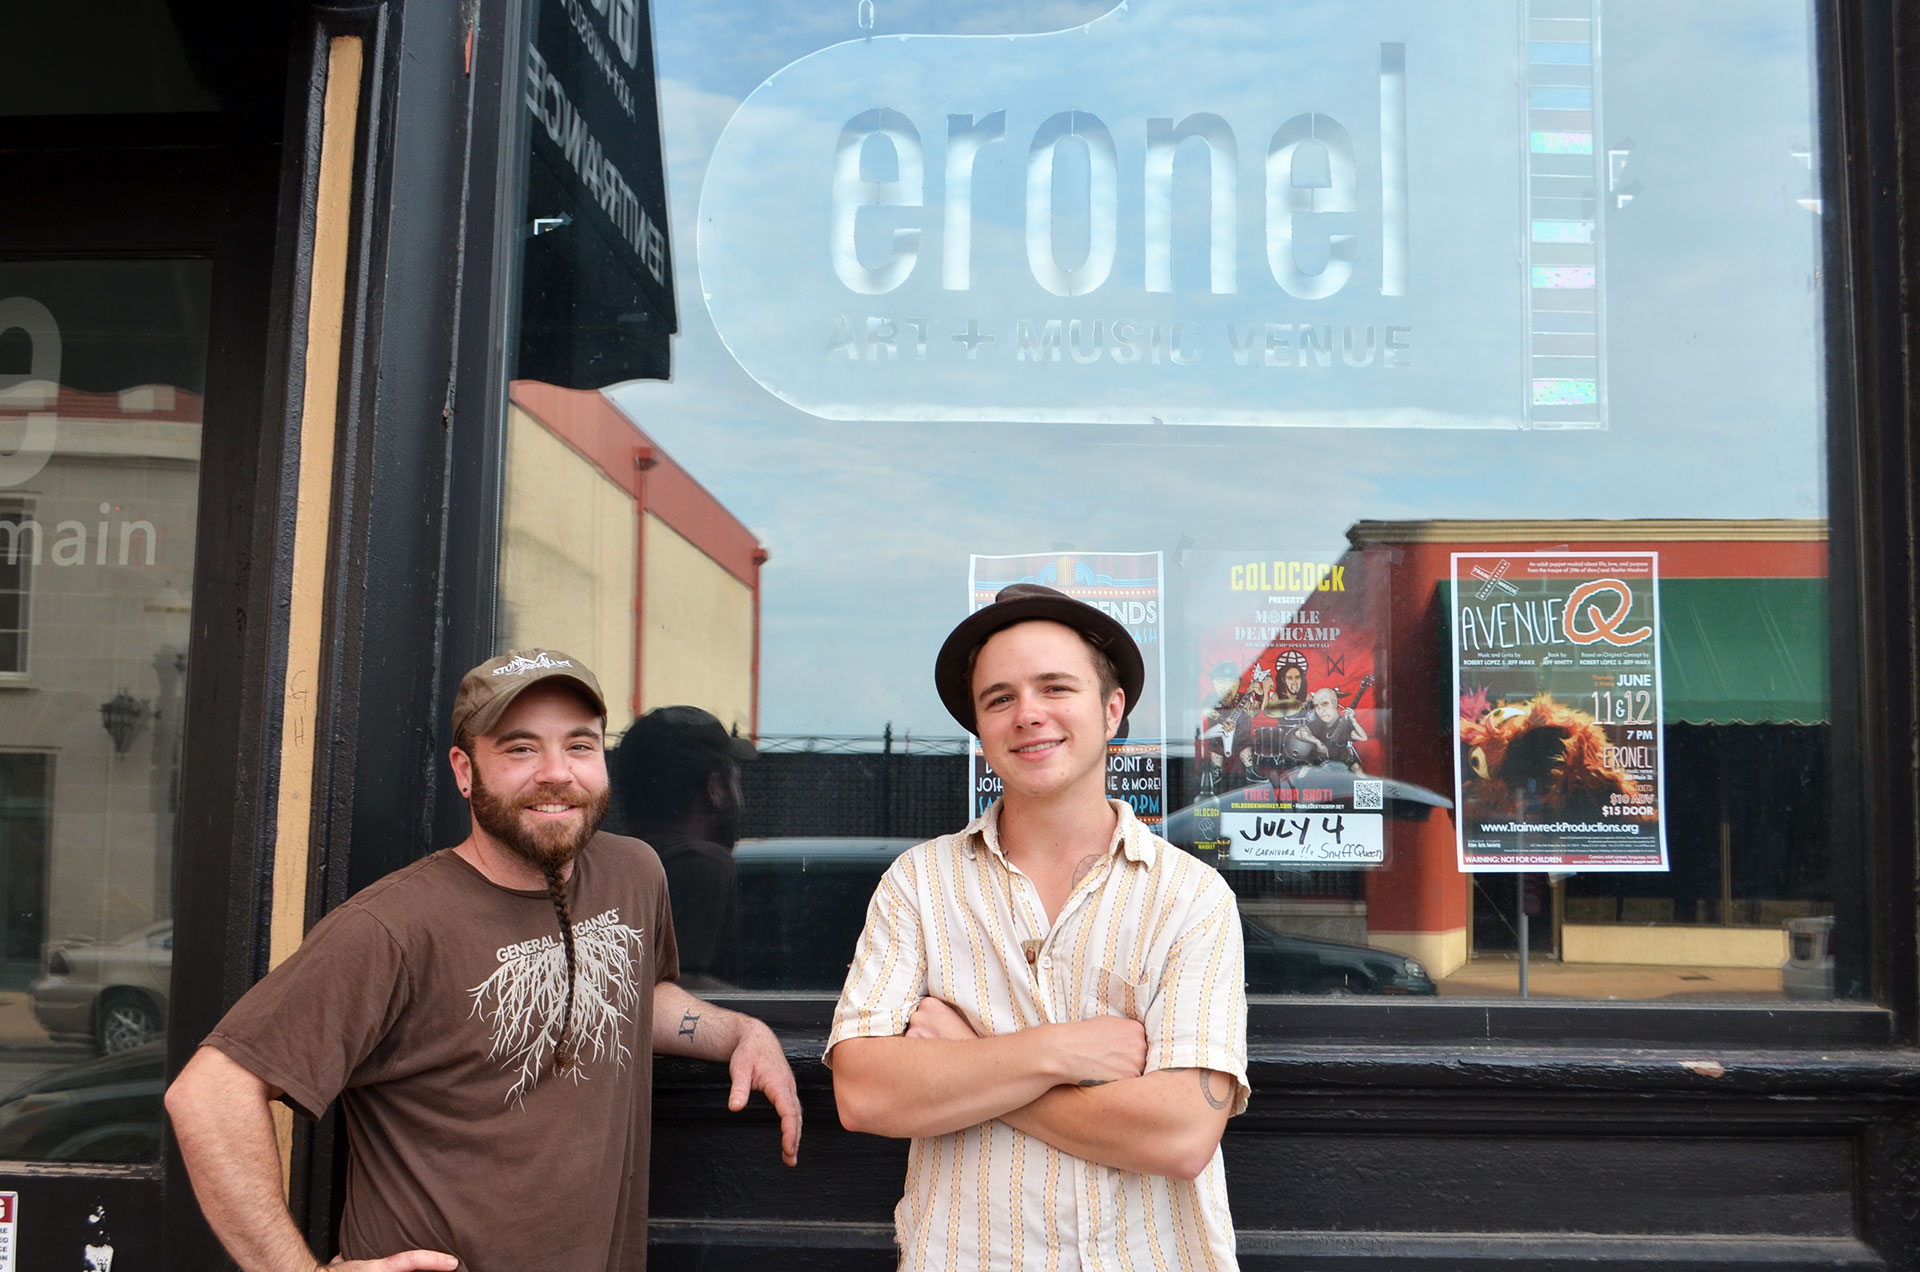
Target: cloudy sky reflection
pixel 1712 334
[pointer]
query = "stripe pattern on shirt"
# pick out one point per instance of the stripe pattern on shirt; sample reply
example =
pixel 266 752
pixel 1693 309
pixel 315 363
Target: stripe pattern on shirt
pixel 1153 934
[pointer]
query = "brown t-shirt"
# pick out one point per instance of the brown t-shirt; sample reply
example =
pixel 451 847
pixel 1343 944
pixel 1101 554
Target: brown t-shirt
pixel 429 1003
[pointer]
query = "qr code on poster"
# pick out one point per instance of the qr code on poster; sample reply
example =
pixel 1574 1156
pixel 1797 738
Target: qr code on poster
pixel 1369 793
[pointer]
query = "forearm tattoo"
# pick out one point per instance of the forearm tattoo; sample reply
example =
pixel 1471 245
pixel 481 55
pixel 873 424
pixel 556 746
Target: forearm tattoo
pixel 688 1023
pixel 1206 1088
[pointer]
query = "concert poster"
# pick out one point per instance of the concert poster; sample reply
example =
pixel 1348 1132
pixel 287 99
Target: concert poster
pixel 1556 670
pixel 1128 586
pixel 1282 707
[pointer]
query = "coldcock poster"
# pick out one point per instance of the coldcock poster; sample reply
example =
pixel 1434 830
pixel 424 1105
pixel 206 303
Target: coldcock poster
pixel 1285 712
pixel 1556 670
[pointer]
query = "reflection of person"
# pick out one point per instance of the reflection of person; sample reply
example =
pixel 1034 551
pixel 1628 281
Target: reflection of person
pixel 1054 995
pixel 1226 733
pixel 676 781
pixel 1329 733
pixel 473 1049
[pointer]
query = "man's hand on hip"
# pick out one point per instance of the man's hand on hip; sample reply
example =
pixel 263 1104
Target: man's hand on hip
pixel 405 1261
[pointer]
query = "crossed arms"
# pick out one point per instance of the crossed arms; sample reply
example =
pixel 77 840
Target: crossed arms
pixel 1081 1086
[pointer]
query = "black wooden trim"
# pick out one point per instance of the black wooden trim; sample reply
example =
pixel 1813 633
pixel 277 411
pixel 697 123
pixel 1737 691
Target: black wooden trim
pixel 1870 503
pixel 318 1165
pixel 477 391
pixel 381 664
pixel 1370 1022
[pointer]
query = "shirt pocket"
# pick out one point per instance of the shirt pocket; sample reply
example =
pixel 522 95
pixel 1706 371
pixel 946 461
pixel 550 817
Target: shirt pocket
pixel 1115 992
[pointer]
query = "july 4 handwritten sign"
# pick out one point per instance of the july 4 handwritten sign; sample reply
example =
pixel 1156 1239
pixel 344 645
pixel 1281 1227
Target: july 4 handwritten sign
pixel 1309 838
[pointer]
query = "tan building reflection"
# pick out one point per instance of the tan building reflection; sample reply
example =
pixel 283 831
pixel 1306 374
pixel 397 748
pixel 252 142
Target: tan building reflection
pixel 96 580
pixel 613 552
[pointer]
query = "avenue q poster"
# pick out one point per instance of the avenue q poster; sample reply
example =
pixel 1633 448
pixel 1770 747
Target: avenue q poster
pixel 1556 670
pixel 1284 708
pixel 1128 586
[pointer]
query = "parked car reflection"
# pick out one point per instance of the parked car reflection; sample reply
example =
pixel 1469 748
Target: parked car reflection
pixel 105 1110
pixel 804 901
pixel 110 993
pixel 1282 963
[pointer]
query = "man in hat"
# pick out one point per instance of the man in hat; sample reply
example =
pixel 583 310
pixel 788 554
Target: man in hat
pixel 676 779
pixel 487 1017
pixel 1050 1004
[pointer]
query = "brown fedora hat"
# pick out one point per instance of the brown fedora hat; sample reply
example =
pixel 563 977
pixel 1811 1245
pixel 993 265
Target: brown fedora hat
pixel 1021 603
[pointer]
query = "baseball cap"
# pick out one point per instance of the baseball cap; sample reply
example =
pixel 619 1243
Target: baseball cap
pixel 487 690
pixel 685 734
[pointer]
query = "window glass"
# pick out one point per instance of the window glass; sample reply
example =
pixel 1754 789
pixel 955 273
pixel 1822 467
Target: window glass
pixel 1436 391
pixel 101 377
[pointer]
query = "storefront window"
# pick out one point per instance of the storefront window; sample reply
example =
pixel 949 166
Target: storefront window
pixel 1438 391
pixel 101 368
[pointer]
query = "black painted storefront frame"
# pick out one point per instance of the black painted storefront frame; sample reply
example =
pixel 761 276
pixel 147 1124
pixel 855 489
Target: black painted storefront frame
pixel 1425 1136
pixel 1403 1136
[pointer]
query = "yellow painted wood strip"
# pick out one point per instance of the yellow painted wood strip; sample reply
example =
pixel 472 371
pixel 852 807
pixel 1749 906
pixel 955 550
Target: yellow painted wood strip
pixel 313 517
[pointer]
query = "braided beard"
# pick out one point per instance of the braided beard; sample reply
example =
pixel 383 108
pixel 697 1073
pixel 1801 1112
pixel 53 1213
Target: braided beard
pixel 549 849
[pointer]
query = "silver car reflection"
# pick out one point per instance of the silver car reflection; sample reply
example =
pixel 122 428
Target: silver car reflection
pixel 110 993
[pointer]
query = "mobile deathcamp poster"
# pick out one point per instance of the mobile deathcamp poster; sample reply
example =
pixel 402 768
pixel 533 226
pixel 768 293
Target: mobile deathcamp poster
pixel 1556 673
pixel 1284 707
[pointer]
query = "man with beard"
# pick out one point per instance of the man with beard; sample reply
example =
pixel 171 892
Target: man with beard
pixel 495 1076
pixel 677 772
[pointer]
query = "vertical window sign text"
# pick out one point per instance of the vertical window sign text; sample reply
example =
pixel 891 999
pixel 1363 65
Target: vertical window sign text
pixel 596 270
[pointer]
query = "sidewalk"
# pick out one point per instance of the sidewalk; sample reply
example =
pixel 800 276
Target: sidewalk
pixel 18 1028
pixel 1498 976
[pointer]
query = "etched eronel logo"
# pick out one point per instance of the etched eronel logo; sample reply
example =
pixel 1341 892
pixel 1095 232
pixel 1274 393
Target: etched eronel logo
pixel 1266 243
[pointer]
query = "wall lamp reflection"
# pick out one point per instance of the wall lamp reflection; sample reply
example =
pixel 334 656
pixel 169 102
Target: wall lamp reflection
pixel 123 716
pixel 547 225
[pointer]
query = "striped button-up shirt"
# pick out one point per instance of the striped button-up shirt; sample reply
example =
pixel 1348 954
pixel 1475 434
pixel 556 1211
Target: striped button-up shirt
pixel 1152 934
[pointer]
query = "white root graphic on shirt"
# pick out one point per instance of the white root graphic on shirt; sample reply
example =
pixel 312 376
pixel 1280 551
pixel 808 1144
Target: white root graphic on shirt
pixel 525 999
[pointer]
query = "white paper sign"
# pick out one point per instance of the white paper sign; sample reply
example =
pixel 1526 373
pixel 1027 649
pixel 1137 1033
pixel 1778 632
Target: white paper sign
pixel 1310 838
pixel 9 1226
